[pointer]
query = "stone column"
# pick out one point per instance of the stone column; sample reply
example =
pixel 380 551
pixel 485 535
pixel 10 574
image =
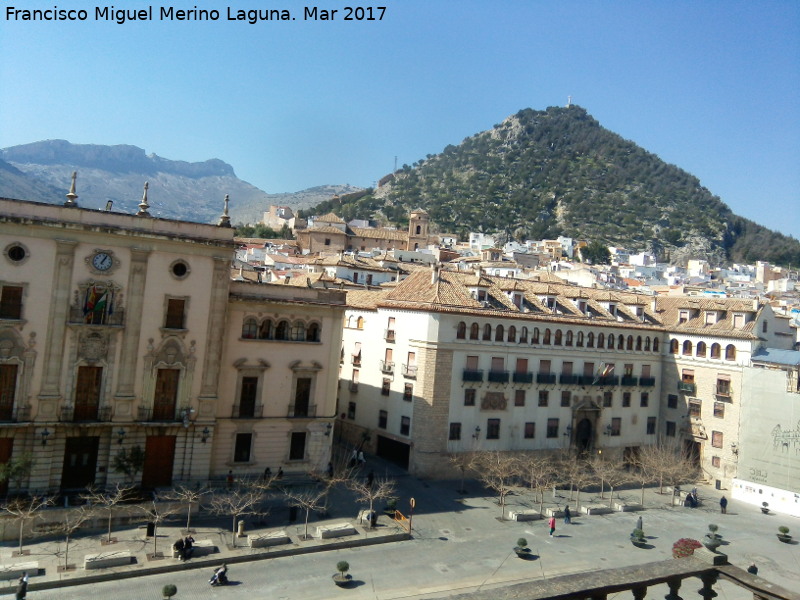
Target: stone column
pixel 216 331
pixel 50 392
pixel 126 373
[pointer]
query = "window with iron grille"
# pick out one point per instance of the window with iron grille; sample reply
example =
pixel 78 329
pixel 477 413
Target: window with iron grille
pixel 530 430
pixel 469 397
pixel 408 392
pixel 626 399
pixel 651 425
pixel 616 426
pixel 671 429
pixel 383 417
pixel 405 425
pixel 493 429
pixel 552 428
pixel 672 401
pixel 719 410
pixel 519 397
pixel 565 398
pixel 544 397
pixel 695 408
pixel 644 399
pixel 608 399
pixel 716 439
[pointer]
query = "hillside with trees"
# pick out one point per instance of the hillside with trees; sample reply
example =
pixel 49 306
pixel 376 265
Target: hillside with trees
pixel 541 174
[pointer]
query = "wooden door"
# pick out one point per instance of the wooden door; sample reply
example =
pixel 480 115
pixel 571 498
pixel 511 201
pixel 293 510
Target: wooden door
pixel 87 393
pixel 80 462
pixel 8 388
pixel 159 456
pixel 166 394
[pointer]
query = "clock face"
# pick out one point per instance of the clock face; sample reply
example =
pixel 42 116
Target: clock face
pixel 102 261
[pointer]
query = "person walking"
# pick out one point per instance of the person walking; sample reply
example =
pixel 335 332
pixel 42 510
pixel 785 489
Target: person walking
pixel 639 523
pixel 552 524
pixel 723 505
pixel 567 516
pixel 22 586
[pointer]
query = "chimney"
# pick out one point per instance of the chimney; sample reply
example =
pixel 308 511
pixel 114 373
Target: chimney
pixel 434 273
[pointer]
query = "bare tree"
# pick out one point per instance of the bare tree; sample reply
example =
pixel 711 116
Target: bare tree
pixel 188 496
pixel 236 503
pixel 582 475
pixel 667 464
pixel 380 488
pixel 610 472
pixel 496 471
pixel 461 461
pixel 73 519
pixel 309 498
pixel 17 469
pixel 646 467
pixel 539 473
pixel 108 501
pixel 26 509
pixel 157 512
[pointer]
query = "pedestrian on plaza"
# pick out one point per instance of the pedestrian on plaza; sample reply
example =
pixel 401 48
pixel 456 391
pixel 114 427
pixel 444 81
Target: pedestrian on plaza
pixel 229 480
pixel 552 524
pixel 567 516
pixel 723 505
pixel 280 473
pixel 361 460
pixel 267 474
pixel 639 523
pixel 188 547
pixel 22 586
pixel 353 458
pixel 329 470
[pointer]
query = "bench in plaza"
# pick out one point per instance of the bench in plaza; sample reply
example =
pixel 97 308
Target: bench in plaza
pixel 529 514
pixel 335 530
pixel 264 540
pixel 626 507
pixel 199 548
pixel 595 509
pixel 15 570
pixel 116 558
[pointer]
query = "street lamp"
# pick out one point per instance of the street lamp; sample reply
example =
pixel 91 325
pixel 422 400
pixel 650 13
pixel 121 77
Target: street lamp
pixel 477 433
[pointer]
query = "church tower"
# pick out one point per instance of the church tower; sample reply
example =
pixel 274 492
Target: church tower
pixel 418 230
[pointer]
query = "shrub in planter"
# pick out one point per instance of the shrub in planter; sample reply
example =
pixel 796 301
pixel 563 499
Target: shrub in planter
pixel 765 507
pixel 712 539
pixel 637 537
pixel 169 590
pixel 341 578
pixel 685 547
pixel 783 534
pixel 521 548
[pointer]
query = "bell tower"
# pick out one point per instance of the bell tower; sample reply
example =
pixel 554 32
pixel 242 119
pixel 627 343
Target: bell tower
pixel 418 230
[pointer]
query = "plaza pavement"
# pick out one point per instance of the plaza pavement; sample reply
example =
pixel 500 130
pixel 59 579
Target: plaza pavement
pixel 459 545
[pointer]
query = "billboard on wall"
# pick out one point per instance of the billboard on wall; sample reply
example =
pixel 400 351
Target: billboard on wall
pixel 769 435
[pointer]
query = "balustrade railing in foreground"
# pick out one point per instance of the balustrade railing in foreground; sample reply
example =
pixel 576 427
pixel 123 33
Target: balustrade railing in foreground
pixel 689 578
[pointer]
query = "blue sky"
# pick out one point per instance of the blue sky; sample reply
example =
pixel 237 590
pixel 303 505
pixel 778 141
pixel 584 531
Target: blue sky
pixel 710 86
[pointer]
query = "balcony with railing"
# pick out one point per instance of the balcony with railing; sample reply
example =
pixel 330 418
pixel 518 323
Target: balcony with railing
pixel 498 376
pixel 77 316
pixel 522 377
pixel 545 378
pixel 628 381
pixel 389 335
pixel 84 413
pixel 10 413
pixel 247 411
pixel 410 371
pixel 387 367
pixel 472 375
pixel 608 380
pixel 162 413
pixel 302 410
pixel 688 387
pixel 568 379
pixel 647 381
pixel 354 387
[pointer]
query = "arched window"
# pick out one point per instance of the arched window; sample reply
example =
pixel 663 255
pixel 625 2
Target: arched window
pixel 629 343
pixel 579 341
pixel 523 336
pixel 647 344
pixel 546 340
pixel 299 331
pixel 655 344
pixel 638 342
pixel 601 340
pixel 282 331
pixel 610 345
pixel 701 349
pixel 687 348
pixel 312 333
pixel 499 333
pixel 674 346
pixel 535 337
pixel 590 340
pixel 351 321
pixel 487 332
pixel 730 352
pixel 473 331
pixel 558 337
pixel 360 323
pixel 715 350
pixel 512 334
pixel 461 332
pixel 568 341
pixel 265 330
pixel 620 342
pixel 250 329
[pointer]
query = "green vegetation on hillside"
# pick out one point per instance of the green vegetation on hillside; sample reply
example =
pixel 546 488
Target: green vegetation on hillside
pixel 541 174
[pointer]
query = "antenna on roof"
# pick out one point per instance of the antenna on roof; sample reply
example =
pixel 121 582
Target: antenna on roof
pixel 569 101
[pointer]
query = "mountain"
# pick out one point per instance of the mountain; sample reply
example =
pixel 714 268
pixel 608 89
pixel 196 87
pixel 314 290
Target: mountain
pixel 541 174
pixel 41 171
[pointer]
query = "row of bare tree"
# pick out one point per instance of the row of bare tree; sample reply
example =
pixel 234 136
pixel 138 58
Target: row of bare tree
pixel 247 497
pixel 663 464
